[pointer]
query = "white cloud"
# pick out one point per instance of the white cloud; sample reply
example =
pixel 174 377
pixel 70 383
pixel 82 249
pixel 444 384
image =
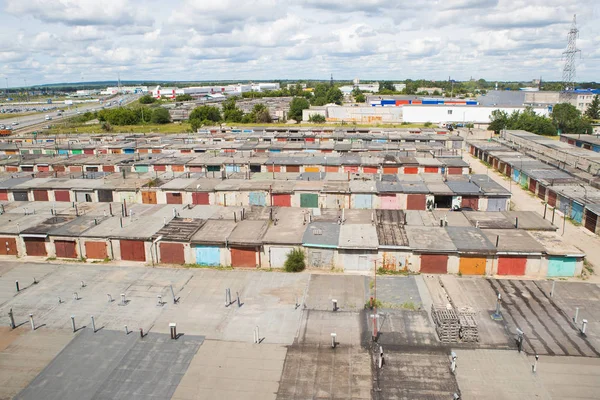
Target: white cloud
pixel 65 40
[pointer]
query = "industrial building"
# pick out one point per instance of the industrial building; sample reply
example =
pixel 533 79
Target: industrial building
pixel 200 91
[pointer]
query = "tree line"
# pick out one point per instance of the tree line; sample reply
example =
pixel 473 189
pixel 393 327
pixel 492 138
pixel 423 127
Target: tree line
pixel 565 118
pixel 229 112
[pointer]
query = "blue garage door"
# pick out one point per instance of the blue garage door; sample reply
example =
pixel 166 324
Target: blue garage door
pixel 563 204
pixel 561 266
pixel 258 199
pixel 232 168
pixel 515 175
pixel 576 212
pixel 208 255
pixel 363 201
pixel 523 179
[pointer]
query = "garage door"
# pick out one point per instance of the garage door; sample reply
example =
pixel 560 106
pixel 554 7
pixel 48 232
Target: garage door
pixel 105 196
pixel 552 198
pixel 149 197
pixel 96 250
pixel 390 170
pixel 415 202
pixel 132 250
pixel 541 192
pixel 174 198
pixel 363 201
pixel 243 257
pixel 172 253
pixel 258 199
pixel 200 198
pixel 208 255
pixel 292 168
pixel 532 185
pixel 20 196
pixel 282 200
pixel 108 168
pixel 496 204
pixel 320 258
pixel 62 195
pixel 8 247
pixel 411 170
pixel 40 195
pixel 4 194
pixel 434 263
pixel 455 171
pixel 431 170
pixel 576 211
pixel 389 201
pixel 471 202
pixel 370 170
pixel 472 265
pixel 561 266
pixel 309 200
pixel 590 220
pixel 65 249
pixel 35 247
pixel 278 255
pixel 511 265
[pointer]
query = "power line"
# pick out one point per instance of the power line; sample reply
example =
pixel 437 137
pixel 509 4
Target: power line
pixel 569 55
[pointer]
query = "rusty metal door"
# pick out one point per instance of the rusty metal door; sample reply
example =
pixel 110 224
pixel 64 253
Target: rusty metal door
pixel 243 257
pixel 133 250
pixel 35 247
pixel 172 253
pixel 8 247
pixel 65 249
pixel 96 250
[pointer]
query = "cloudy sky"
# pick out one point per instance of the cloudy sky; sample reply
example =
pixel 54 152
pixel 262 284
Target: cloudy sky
pixel 49 41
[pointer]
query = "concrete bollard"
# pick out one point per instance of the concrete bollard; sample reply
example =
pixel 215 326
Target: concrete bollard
pixel 93 325
pixel 31 321
pixel 11 317
pixel 583 326
pixel 122 299
pixel 333 342
pixel 334 304
pixel 173 329
pixel 552 290
pixel 576 315
pixel 126 330
pixel 75 296
pixel 534 366
pixel 17 285
pixel 73 323
pixel 110 299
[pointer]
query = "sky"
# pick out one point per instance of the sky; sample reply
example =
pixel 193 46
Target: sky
pixel 51 41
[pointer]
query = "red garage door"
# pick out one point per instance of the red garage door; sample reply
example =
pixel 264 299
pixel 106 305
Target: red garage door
pixel 243 257
pixel 431 170
pixel 282 200
pixel 4 194
pixel 65 249
pixel 40 195
pixel 200 198
pixel 471 202
pixel 511 265
pixel 415 202
pixel 532 185
pixel 541 192
pixel 96 250
pixel 108 168
pixel 174 198
pixel 8 246
pixel 292 168
pixel 370 170
pixel 133 250
pixel 455 171
pixel 35 247
pixel 62 195
pixel 411 170
pixel 552 198
pixel 172 253
pixel 390 170
pixel 434 263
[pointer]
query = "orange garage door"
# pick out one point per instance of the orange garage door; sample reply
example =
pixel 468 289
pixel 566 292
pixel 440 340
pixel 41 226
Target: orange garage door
pixel 472 265
pixel 511 265
pixel 434 263
pixel 96 250
pixel 243 257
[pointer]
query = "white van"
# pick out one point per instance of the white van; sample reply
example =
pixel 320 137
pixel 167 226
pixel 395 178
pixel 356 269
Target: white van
pixel 48 118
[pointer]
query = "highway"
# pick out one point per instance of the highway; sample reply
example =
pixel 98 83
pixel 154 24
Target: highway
pixel 32 122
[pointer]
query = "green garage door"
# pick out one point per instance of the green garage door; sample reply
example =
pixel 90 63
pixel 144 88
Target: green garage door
pixel 561 266
pixel 309 200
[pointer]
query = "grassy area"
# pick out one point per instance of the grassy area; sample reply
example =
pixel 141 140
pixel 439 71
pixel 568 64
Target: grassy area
pixel 96 128
pixel 17 115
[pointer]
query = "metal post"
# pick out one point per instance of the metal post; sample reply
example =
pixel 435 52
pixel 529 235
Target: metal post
pixel 545 209
pixel 453 362
pixel 173 293
pixel 110 299
pixel 159 301
pixel 93 324
pixel 173 330
pixel 33 324
pixel 122 299
pixel 553 213
pixel 12 319
pixel 552 291
pixel 520 340
pixel 82 284
pixel 334 304
pixel 141 333
pixel 534 366
pixel 17 285
pixel 380 357
pixel 333 342
pixel 59 300
pixel 73 323
pixel 75 296
pixel 576 315
pixel 583 326
pixel 126 330
pixel 238 299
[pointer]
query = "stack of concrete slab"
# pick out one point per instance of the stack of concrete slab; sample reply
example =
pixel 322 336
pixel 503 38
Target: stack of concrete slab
pixel 468 328
pixel 446 322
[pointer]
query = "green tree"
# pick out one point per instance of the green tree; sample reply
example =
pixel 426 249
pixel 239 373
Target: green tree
pixel 295 261
pixel 184 97
pixel 568 119
pixel 147 99
pixel 386 85
pixel 335 95
pixel 231 113
pixel 317 118
pixel 161 116
pixel 296 106
pixel 204 115
pixel 261 114
pixel 593 110
pixel 499 121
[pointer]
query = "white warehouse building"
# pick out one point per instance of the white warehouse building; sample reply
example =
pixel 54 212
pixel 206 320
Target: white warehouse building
pixel 477 115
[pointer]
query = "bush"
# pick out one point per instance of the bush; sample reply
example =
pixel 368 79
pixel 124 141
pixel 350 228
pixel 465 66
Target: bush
pixel 295 261
pixel 147 99
pixel 317 118
pixel 427 124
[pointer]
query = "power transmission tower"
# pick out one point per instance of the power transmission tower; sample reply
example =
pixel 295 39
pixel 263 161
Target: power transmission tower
pixel 569 55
